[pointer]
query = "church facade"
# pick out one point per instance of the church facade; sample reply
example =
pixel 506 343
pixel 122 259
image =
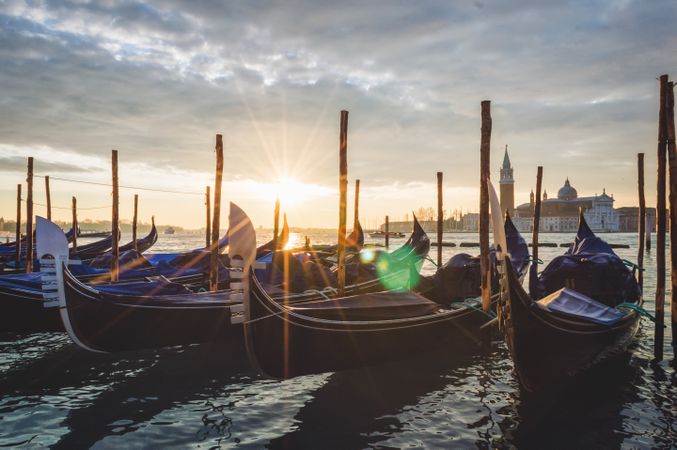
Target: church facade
pixel 558 214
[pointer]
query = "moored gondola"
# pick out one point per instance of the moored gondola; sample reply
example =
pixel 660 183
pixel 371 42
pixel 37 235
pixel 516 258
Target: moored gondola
pixel 102 320
pixel 286 340
pixel 584 311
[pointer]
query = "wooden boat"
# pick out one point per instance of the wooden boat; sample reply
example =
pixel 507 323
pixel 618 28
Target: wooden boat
pixel 286 340
pixel 105 322
pixel 557 336
pixel 382 234
pixel 21 296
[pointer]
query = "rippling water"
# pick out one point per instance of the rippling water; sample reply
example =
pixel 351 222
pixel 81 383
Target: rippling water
pixel 206 396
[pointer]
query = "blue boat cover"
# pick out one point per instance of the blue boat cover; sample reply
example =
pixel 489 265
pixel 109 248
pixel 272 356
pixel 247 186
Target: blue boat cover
pixel 574 304
pixel 590 267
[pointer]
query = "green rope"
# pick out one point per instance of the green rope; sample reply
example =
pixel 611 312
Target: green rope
pixel 639 309
pixel 475 308
pixel 633 265
pixel 430 259
pixel 537 260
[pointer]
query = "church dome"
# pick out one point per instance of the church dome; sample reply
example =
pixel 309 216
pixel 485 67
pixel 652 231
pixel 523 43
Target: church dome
pixel 567 192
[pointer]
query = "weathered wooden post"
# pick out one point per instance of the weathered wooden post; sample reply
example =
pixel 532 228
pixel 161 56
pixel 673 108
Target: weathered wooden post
pixel 276 223
pixel 343 188
pixel 440 219
pixel 17 244
pixel 115 221
pixel 672 156
pixel 208 226
pixel 29 217
pixel 660 222
pixel 49 198
pixel 485 149
pixel 214 257
pixel 74 209
pixel 537 223
pixel 647 226
pixel 641 219
pixel 357 206
pixel 134 220
pixel 387 232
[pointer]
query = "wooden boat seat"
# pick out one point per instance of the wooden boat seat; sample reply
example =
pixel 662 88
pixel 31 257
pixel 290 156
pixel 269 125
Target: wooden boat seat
pixel 365 307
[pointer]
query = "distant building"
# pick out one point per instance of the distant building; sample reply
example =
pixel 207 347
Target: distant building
pixel 507 183
pixel 561 214
pixel 628 218
pixel 471 222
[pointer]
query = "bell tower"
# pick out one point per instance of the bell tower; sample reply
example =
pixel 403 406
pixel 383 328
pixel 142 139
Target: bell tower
pixel 507 183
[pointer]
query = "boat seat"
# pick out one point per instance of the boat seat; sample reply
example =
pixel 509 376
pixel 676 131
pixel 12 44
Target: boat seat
pixel 365 307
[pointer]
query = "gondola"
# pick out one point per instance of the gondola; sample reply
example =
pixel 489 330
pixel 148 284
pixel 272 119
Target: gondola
pixel 21 296
pixel 285 341
pixel 99 320
pixel 572 319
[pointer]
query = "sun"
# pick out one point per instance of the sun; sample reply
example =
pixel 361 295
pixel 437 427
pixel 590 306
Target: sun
pixel 291 191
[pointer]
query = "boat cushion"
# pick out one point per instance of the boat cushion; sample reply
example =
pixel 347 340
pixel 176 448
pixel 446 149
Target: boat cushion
pixel 365 307
pixel 574 304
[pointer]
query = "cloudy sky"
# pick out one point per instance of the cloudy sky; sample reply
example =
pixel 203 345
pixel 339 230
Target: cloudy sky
pixel 572 84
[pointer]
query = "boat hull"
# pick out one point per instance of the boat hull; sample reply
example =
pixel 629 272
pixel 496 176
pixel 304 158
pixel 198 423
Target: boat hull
pixel 549 349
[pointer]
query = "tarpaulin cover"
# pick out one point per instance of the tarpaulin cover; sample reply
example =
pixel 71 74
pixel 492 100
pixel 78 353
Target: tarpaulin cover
pixel 574 304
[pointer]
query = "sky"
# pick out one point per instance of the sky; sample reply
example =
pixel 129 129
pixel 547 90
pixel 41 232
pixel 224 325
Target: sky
pixel 572 84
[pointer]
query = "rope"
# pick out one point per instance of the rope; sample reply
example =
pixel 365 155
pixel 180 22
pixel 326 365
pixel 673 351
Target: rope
pixel 537 260
pixel 475 308
pixel 428 258
pixel 68 207
pixel 632 264
pixel 639 309
pixel 124 187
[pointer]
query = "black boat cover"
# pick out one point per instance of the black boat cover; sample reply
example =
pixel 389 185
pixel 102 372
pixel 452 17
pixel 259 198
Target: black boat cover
pixel 578 306
pixel 590 267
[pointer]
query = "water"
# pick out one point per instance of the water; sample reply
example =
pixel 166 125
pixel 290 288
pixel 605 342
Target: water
pixel 206 396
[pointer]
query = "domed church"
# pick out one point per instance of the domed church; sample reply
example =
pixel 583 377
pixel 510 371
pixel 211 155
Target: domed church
pixel 558 214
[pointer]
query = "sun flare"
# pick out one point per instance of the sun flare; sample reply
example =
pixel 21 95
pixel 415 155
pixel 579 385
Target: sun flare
pixel 291 191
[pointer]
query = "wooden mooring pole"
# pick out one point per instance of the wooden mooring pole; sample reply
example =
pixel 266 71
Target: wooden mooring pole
pixel 440 219
pixel 357 207
pixel 660 222
pixel 485 149
pixel 387 232
pixel 214 257
pixel 647 238
pixel 672 158
pixel 208 224
pixel 17 245
pixel 537 223
pixel 115 221
pixel 74 209
pixel 343 199
pixel 135 219
pixel 276 222
pixel 49 199
pixel 641 219
pixel 29 217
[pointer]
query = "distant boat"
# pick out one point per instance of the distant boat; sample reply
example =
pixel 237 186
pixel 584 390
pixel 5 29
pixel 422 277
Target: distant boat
pixel 169 230
pixel 382 234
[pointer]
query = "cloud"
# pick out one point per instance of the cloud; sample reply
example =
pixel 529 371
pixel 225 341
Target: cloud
pixel 570 83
